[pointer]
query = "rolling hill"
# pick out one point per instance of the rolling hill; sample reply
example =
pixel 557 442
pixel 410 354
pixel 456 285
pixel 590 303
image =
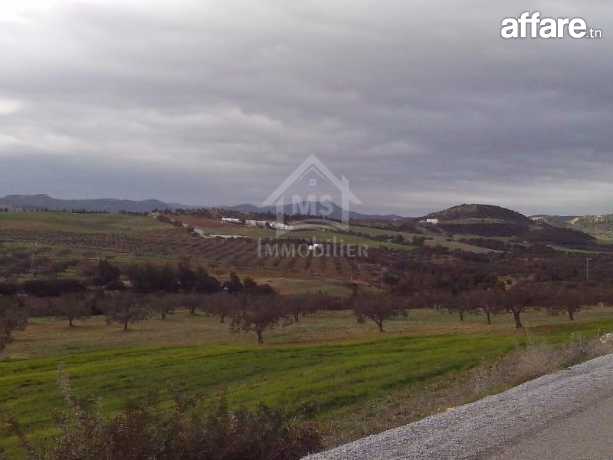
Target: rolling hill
pixel 489 221
pixel 479 213
pixel 599 226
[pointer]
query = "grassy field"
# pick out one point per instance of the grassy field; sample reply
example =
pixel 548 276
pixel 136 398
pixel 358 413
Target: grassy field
pixel 325 366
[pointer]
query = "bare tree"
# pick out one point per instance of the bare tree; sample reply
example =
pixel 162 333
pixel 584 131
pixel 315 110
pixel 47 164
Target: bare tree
pixel 163 304
pixel 75 306
pixel 257 314
pixel 378 308
pixel 485 300
pixel 126 308
pixel 300 305
pixel 572 297
pixel 13 317
pixel 192 302
pixel 521 296
pixel 222 304
pixel 461 302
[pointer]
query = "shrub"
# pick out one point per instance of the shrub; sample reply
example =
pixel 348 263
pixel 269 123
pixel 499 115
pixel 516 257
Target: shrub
pixel 252 288
pixel 205 283
pixel 8 289
pixel 140 432
pixel 150 278
pixel 106 273
pixel 52 287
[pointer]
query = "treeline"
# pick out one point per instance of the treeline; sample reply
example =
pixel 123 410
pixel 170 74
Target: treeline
pixel 251 308
pixel 459 286
pixel 142 278
pixel 156 291
pixel 554 297
pixel 504 285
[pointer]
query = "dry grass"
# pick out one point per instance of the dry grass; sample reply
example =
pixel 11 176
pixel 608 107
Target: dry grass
pixel 515 368
pixel 48 336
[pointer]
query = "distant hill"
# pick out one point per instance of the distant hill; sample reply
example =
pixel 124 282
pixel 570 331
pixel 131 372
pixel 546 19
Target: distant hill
pixel 39 202
pixel 479 212
pixel 328 209
pixel 599 226
pixel 488 221
pixel 560 221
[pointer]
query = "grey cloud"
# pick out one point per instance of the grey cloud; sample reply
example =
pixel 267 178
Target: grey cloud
pixel 420 104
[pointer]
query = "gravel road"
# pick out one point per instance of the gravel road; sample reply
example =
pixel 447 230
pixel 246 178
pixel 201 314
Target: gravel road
pixel 567 415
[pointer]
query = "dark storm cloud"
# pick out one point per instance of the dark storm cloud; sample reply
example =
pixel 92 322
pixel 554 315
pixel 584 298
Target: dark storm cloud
pixel 420 104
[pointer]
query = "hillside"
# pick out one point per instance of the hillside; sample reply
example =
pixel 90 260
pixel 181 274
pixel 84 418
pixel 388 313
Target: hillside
pixel 479 212
pixel 599 226
pixel 488 221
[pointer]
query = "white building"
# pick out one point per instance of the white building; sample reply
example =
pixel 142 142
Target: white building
pixel 230 220
pixel 280 226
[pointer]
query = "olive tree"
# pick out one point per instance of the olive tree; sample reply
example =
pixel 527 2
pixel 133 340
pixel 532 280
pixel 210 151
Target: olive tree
pixel 125 309
pixel 13 317
pixel 223 304
pixel 76 306
pixel 163 304
pixel 378 308
pixel 257 314
pixel 520 297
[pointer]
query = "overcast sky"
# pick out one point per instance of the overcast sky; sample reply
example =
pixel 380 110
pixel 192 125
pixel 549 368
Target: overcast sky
pixel 419 104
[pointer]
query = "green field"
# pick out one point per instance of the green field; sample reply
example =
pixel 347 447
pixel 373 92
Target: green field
pixel 325 366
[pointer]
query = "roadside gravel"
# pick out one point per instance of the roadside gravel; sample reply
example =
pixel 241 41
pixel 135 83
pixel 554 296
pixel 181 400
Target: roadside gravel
pixel 503 426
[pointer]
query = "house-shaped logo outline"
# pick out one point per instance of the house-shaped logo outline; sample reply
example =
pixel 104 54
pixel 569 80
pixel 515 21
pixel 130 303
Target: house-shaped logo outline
pixel 313 164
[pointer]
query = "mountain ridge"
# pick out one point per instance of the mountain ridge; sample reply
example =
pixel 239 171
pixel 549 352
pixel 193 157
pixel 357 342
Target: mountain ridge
pixel 314 209
pixel 112 205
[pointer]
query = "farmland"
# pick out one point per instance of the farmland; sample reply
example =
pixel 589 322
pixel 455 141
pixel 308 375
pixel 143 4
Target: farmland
pixel 125 239
pixel 326 365
pixel 359 234
pixel 319 364
pixel 133 238
pixel 128 238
